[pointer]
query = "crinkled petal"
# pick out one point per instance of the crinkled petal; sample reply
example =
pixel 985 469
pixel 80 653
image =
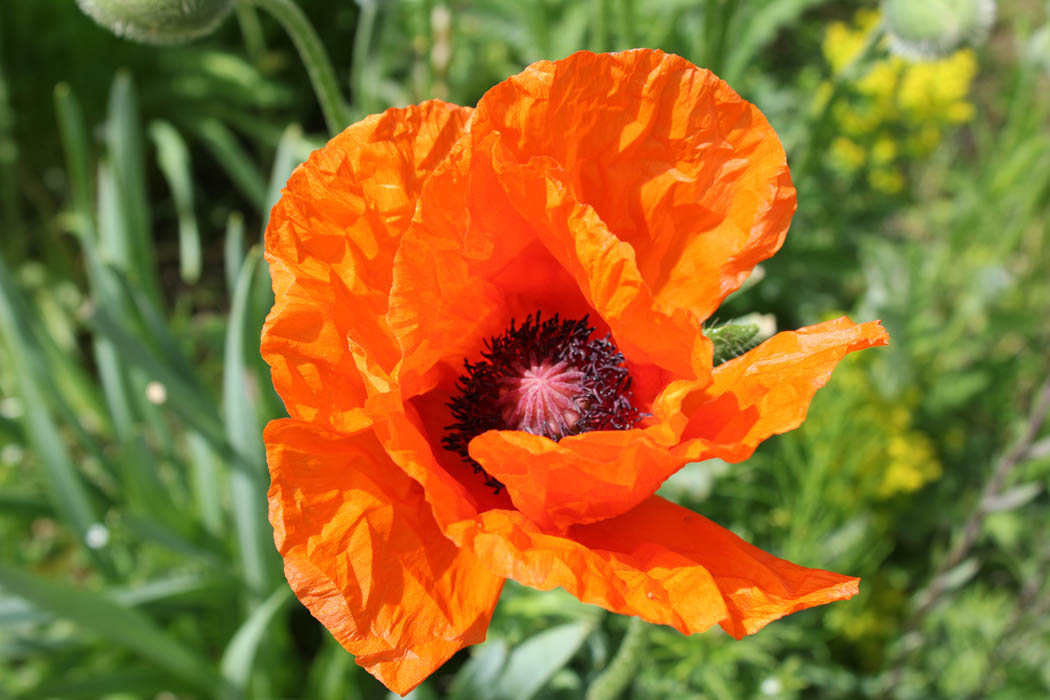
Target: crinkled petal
pixel 767 390
pixel 364 554
pixel 673 161
pixel 658 561
pixel 331 243
pixel 756 586
pixel 604 267
pixel 579 479
pixel 649 581
pixel 467 266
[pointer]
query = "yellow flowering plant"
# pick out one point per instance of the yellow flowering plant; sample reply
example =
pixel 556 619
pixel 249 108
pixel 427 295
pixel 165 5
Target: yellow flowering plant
pixel 893 108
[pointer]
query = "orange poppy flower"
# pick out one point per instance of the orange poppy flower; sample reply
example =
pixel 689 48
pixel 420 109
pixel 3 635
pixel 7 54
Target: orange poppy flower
pixel 566 239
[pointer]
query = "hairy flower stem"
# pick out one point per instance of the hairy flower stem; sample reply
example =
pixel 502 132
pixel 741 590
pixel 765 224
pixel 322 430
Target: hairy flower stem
pixel 314 57
pixel 618 674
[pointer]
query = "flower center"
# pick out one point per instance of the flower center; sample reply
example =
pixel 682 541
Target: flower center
pixel 547 378
pixel 541 399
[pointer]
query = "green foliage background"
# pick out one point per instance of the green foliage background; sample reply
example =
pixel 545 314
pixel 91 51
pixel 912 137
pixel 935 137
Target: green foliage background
pixel 135 556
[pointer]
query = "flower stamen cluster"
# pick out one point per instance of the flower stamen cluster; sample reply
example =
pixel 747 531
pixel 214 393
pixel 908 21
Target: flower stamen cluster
pixel 547 378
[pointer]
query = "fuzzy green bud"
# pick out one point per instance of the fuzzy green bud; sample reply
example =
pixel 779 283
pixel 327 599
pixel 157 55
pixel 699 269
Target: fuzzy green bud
pixel 158 21
pixel 732 340
pixel 930 29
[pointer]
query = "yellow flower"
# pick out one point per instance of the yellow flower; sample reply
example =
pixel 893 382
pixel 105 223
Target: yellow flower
pixel 884 150
pixel 911 464
pixel 894 106
pixel 937 90
pixel 847 154
pixel 843 42
pixel 887 180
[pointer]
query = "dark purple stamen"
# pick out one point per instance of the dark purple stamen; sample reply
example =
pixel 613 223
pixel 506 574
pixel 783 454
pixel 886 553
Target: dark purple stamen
pixel 544 377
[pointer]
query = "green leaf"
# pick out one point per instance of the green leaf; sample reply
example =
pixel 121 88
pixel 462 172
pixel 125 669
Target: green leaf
pixel 142 681
pixel 239 657
pixel 233 254
pixel 248 483
pixel 120 625
pixel 757 28
pixel 67 490
pixel 174 160
pixel 232 157
pixel 77 148
pixel 535 661
pixel 479 676
pixel 124 146
pixel 291 150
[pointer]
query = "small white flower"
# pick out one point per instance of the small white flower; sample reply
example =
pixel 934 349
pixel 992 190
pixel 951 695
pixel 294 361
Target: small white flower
pixel 97 536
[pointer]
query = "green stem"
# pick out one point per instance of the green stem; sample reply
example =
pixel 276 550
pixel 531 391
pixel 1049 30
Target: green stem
pixel 600 22
pixel 359 69
pixel 311 51
pixel 621 670
pixel 629 23
pixel 251 30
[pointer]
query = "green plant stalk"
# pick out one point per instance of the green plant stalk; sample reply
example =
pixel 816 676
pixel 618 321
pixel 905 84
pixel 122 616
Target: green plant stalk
pixel 251 31
pixel 629 22
pixel 314 57
pixel 366 25
pixel 623 667
pixel 600 22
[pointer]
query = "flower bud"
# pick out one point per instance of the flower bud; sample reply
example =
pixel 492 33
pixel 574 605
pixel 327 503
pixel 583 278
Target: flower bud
pixel 732 340
pixel 929 29
pixel 157 21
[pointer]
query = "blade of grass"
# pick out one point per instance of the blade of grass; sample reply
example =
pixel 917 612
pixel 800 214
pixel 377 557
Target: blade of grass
pixel 240 394
pixel 187 400
pixel 205 482
pixel 232 158
pixel 233 255
pixel 124 145
pixel 10 204
pixel 118 624
pixel 290 152
pixel 68 490
pixel 757 28
pixel 77 148
pixel 239 657
pixel 142 682
pixel 174 160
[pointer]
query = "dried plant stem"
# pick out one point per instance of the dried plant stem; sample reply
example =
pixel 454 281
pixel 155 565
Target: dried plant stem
pixel 314 57
pixel 623 667
pixel 1032 604
pixel 1021 448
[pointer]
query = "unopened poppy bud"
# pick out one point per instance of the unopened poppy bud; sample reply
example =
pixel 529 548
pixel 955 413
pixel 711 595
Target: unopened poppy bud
pixel 733 340
pixel 157 21
pixel 931 29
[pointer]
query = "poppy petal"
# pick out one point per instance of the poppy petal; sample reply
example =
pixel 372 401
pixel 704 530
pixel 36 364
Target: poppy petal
pixel 650 581
pixel 767 390
pixel 604 267
pixel 658 561
pixel 364 554
pixel 756 586
pixel 467 266
pixel 674 162
pixel 579 479
pixel 330 244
